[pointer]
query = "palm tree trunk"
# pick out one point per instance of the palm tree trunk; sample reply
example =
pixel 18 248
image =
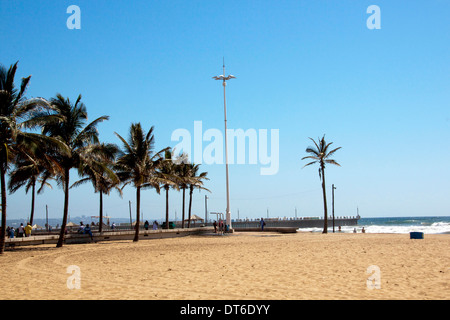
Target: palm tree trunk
pixel 167 208
pixel 138 208
pixel 66 208
pixel 3 228
pixel 182 220
pixel 325 220
pixel 100 227
pixel 190 205
pixel 33 187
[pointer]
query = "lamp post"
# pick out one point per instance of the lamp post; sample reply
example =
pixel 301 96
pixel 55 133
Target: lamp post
pixel 332 189
pixel 224 83
pixel 206 209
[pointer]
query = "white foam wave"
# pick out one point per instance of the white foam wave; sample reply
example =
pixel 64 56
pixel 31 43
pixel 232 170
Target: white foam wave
pixel 435 228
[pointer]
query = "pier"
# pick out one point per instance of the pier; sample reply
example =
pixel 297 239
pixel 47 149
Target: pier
pixel 298 223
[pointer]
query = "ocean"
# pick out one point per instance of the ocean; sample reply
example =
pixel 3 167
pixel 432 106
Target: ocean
pixel 427 225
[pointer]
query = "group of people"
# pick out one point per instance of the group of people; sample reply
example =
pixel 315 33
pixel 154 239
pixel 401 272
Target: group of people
pixel 25 231
pixel 222 226
pixel 85 229
pixel 147 224
pixel 20 232
pixel 354 230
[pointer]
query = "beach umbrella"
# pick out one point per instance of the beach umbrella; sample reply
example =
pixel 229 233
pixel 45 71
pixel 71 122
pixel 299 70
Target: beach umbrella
pixel 71 224
pixel 196 217
pixel 36 226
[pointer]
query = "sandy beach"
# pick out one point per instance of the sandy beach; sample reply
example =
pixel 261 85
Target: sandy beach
pixel 241 266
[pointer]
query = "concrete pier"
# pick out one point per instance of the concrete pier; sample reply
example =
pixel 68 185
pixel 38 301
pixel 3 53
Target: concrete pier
pixel 294 223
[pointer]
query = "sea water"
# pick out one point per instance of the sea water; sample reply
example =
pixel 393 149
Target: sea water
pixel 427 225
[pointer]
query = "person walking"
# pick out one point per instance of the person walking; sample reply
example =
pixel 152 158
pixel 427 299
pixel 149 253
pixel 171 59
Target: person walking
pixel 263 223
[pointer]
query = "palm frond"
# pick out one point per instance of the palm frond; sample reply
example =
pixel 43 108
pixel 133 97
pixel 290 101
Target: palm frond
pixel 313 151
pixel 44 184
pixel 80 182
pixel 315 143
pixel 309 164
pixel 39 120
pixel 128 148
pixel 332 152
pixel 331 161
pixel 89 134
pixel 27 108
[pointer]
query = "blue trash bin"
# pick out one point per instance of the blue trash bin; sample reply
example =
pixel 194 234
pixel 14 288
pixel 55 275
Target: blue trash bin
pixel 416 235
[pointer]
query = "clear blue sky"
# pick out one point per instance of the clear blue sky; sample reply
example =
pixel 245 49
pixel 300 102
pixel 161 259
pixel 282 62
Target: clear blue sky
pixel 307 68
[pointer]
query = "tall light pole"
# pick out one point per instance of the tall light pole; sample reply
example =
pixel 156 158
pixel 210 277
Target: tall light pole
pixel 225 79
pixel 206 209
pixel 332 189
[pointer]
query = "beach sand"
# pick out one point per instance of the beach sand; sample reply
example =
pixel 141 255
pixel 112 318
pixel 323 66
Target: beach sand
pixel 241 266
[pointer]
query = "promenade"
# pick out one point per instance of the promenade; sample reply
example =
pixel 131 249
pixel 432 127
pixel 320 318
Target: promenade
pixel 72 238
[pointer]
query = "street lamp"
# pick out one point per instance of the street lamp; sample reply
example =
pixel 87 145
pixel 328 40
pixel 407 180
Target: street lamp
pixel 225 79
pixel 206 209
pixel 332 189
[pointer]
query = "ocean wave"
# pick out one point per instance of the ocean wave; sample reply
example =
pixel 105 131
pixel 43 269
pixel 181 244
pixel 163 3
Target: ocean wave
pixel 407 229
pixel 434 228
pixel 440 224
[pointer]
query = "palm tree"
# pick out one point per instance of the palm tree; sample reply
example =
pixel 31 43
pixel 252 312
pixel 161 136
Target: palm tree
pixel 77 137
pixel 137 164
pixel 99 171
pixel 29 171
pixel 321 155
pixel 167 174
pixel 16 114
pixel 195 183
pixel 183 173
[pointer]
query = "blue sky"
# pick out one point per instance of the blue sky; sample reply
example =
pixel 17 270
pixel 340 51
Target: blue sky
pixel 306 68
